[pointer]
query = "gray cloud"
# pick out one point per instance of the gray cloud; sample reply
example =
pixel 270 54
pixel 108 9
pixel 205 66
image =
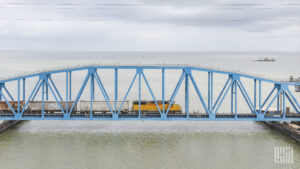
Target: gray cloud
pixel 116 24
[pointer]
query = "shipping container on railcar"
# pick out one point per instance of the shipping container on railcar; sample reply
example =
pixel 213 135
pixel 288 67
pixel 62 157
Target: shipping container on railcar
pixel 101 106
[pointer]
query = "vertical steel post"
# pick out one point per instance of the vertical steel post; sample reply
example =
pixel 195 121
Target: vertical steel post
pixel 116 89
pixel 231 96
pixel 46 85
pixel 19 96
pixel 209 92
pixel 283 103
pixel 139 93
pixel 43 99
pixel 70 86
pixel 163 89
pixel 91 93
pixel 24 89
pixel 278 101
pixel 1 92
pixel 212 90
pixel 254 101
pixel 67 93
pixel 93 86
pixel 259 97
pixel 187 106
pixel 235 99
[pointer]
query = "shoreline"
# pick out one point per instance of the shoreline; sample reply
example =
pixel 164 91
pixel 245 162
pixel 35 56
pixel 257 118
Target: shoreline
pixel 7 124
pixel 290 130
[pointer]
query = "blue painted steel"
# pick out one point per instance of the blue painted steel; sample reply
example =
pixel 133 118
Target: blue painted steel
pixel 91 94
pixel 246 96
pixel 278 101
pixel 199 93
pixel 175 91
pixel 1 86
pixel 254 99
pixel 294 99
pixel 126 95
pixel 101 86
pixel 163 91
pixel 36 92
pixel 24 89
pixel 18 96
pixel 55 88
pixel 67 94
pixel 116 90
pixel 235 98
pixel 292 102
pixel 46 86
pixel 57 101
pixel 221 93
pixel 139 73
pixel 151 92
pixel 8 93
pixel 70 85
pixel 268 97
pixel 187 97
pixel 259 97
pixel 29 99
pixel 1 94
pixel 231 96
pixel 102 89
pixel 283 104
pixel 43 99
pixel 272 102
pixel 233 82
pixel 80 92
pixel 209 92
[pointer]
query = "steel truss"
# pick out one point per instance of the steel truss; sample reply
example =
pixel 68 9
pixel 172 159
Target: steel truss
pixel 259 107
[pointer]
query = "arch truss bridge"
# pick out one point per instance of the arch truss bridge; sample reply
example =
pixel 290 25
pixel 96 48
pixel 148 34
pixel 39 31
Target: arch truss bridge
pixel 20 103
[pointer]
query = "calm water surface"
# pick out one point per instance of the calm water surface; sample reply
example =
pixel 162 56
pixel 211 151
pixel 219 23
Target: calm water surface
pixel 140 144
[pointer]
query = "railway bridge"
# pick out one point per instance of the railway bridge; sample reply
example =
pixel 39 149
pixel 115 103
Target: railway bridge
pixel 46 99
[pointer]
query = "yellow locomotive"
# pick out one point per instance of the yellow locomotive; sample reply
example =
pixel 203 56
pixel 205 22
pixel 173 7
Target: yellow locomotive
pixel 149 108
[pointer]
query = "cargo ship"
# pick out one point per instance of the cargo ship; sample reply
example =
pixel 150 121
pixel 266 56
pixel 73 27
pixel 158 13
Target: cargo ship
pixel 265 59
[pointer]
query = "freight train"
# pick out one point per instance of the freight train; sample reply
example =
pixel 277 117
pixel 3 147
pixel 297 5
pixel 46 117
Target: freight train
pixel 99 108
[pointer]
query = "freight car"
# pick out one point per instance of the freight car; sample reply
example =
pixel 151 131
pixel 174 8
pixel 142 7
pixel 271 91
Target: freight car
pixel 6 111
pixel 149 108
pixel 51 108
pixel 100 108
pixel 82 108
pixel 14 105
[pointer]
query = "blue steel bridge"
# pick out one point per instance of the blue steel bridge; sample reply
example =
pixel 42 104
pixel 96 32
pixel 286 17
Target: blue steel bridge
pixel 16 104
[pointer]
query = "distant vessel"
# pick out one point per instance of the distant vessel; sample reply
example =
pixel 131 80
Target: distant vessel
pixel 265 59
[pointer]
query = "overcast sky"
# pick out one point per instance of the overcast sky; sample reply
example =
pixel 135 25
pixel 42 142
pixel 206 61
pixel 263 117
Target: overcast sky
pixel 150 25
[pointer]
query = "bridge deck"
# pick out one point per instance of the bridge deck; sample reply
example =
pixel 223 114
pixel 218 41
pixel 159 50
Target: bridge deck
pixel 144 116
